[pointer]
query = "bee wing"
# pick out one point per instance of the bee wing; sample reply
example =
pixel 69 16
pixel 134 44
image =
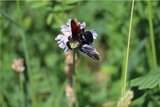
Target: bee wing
pixel 90 51
pixel 75 28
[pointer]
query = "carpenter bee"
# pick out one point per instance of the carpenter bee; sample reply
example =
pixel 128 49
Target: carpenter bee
pixel 81 40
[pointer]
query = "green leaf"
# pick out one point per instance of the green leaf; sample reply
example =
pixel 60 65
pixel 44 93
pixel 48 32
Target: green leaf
pixel 49 19
pixel 37 5
pixel 149 81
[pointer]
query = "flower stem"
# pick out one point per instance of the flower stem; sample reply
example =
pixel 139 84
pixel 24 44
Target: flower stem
pixel 73 68
pixel 151 33
pixel 73 75
pixel 127 53
pixel 25 74
pixel 26 54
pixel 23 85
pixel 60 95
pixel 75 104
pixel 148 54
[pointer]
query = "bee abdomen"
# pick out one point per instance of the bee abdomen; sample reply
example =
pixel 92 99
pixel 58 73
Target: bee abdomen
pixel 87 37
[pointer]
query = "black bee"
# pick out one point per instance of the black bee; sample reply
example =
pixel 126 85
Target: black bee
pixel 81 40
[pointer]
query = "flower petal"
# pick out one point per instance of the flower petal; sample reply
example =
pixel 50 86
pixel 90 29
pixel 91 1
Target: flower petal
pixel 64 39
pixel 59 37
pixel 66 49
pixel 62 45
pixel 94 34
pixel 83 25
pixel 69 22
pixel 66 30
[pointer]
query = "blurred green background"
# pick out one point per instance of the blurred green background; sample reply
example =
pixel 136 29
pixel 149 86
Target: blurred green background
pixel 99 83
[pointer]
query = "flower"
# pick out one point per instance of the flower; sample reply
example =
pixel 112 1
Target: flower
pixel 66 33
pixel 18 65
pixel 125 100
pixel 62 38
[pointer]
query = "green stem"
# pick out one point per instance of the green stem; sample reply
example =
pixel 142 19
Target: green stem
pixel 23 36
pixel 74 79
pixel 23 89
pixel 73 76
pixel 151 33
pixel 25 74
pixel 26 54
pixel 24 44
pixel 2 101
pixel 19 13
pixel 3 13
pixel 123 69
pixel 60 95
pixel 148 54
pixel 127 53
pixel 73 68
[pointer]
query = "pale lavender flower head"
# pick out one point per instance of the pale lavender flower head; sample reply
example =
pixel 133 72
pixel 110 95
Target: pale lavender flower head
pixel 18 65
pixel 66 33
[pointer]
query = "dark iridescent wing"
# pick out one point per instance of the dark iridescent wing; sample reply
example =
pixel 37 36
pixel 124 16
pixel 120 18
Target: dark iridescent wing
pixel 90 51
pixel 75 28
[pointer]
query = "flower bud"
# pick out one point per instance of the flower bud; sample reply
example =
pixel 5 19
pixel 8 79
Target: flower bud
pixel 18 65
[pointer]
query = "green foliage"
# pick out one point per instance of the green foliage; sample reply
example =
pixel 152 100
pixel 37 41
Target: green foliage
pixel 150 84
pixel 98 83
pixel 149 81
